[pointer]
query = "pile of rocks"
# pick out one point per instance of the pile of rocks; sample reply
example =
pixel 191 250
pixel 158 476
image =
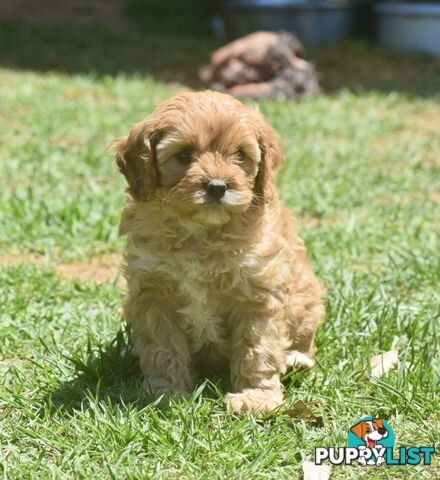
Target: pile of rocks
pixel 262 65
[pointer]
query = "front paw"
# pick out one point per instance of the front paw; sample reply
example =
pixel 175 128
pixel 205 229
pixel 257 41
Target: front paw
pixel 255 400
pixel 159 386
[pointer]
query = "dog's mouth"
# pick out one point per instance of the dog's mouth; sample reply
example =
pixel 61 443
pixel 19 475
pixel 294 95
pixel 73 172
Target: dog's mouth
pixel 216 211
pixel 208 215
pixel 371 443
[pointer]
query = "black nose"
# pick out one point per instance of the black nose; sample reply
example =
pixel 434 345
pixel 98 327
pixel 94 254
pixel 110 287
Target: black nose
pixel 382 431
pixel 216 189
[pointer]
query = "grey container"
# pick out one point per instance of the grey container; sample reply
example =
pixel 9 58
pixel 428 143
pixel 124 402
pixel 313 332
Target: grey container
pixel 409 27
pixel 316 23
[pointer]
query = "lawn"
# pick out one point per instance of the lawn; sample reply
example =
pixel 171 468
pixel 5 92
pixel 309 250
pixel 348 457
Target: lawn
pixel 362 176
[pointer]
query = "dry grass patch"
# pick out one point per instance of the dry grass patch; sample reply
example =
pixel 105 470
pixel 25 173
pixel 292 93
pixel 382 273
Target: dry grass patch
pixel 104 269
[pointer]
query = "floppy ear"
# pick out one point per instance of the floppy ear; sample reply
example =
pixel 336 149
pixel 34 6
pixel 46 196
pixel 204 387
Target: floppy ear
pixel 135 159
pixel 271 157
pixel 378 422
pixel 357 430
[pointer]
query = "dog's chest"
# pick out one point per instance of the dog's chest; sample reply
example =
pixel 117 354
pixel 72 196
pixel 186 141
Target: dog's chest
pixel 202 288
pixel 201 316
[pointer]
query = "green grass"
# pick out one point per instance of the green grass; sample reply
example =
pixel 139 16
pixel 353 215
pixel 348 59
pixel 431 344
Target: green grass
pixel 362 175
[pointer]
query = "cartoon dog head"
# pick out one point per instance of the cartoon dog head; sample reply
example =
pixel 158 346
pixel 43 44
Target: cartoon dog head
pixel 370 431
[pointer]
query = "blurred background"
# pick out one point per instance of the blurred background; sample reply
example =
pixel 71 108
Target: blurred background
pixel 352 42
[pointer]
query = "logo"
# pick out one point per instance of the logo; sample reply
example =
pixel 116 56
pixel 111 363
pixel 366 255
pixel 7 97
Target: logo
pixel 371 441
pixel 371 437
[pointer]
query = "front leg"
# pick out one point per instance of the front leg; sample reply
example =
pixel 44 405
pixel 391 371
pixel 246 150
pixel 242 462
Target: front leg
pixel 161 345
pixel 258 359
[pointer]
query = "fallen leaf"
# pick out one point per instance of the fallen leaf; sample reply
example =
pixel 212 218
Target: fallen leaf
pixel 384 362
pixel 316 472
pixel 302 411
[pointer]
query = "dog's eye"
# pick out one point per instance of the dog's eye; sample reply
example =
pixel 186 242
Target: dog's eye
pixel 368 430
pixel 240 154
pixel 185 157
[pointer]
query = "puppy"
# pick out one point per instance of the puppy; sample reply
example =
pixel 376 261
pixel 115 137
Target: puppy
pixel 216 272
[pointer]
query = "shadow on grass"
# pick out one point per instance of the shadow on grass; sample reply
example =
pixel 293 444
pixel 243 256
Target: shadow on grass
pixel 361 66
pixel 171 45
pixel 106 373
pixel 166 40
pixel 100 51
pixel 111 374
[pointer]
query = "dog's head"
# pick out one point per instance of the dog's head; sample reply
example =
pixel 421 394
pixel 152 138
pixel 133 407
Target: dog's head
pixel 370 431
pixel 204 153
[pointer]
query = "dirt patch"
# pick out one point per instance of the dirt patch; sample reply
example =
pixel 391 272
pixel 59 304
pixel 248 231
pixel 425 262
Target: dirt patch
pixel 21 259
pixel 429 122
pixel 92 271
pixel 97 270
pixel 409 198
pixel 307 222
